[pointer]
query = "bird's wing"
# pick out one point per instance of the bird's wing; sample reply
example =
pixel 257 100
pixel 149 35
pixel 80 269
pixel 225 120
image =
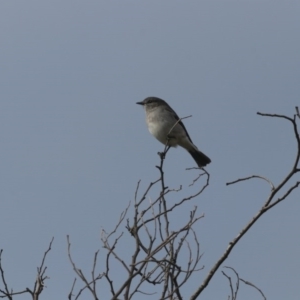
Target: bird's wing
pixel 180 122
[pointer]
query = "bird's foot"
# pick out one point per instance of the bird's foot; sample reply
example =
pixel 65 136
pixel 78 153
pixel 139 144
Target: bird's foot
pixel 162 155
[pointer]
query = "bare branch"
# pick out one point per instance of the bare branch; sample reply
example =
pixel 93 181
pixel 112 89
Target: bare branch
pixel 40 269
pixel 296 163
pixel 89 285
pixel 297 112
pixel 6 293
pixel 39 282
pixel 275 115
pixel 267 205
pixel 284 196
pixel 234 295
pixel 230 285
pixel 250 177
pixel 71 292
pixel 159 264
pixel 238 279
pixel 251 284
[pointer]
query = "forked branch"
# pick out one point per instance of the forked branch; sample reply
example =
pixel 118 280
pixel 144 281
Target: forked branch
pixel 39 283
pixel 268 204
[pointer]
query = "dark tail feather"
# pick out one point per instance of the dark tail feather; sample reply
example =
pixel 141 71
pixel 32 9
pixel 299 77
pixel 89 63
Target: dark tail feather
pixel 200 158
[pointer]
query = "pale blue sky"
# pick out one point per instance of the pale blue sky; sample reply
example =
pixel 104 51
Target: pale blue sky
pixel 74 143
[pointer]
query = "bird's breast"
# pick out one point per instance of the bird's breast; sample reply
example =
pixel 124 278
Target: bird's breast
pixel 160 128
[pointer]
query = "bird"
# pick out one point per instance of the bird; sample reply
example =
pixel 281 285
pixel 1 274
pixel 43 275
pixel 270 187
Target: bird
pixel 165 125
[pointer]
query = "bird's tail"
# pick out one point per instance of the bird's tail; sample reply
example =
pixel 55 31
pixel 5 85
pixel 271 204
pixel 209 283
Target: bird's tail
pixel 200 158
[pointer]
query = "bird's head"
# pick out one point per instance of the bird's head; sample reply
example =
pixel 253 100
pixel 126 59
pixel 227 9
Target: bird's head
pixel 152 102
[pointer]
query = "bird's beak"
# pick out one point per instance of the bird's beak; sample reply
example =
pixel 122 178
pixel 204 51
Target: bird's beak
pixel 140 103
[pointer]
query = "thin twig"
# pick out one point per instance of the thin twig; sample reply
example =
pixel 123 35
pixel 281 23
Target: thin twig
pixel 251 284
pixel 71 292
pixel 267 205
pixel 253 176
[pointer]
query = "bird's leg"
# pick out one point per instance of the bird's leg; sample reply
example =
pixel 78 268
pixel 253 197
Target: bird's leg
pixel 163 154
pixel 167 149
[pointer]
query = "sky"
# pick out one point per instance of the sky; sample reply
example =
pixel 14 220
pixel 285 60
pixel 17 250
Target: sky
pixel 74 144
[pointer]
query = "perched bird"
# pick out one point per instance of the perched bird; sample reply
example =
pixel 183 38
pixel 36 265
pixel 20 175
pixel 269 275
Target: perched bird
pixel 161 118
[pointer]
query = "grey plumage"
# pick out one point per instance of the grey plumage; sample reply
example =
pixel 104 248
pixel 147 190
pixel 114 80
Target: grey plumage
pixel 160 118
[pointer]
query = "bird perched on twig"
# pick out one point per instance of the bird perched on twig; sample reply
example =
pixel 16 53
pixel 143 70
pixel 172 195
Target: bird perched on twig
pixel 164 124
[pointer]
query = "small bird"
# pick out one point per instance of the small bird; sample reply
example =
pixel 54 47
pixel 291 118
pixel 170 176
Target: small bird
pixel 160 119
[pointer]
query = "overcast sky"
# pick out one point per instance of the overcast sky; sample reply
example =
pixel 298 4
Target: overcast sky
pixel 74 143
